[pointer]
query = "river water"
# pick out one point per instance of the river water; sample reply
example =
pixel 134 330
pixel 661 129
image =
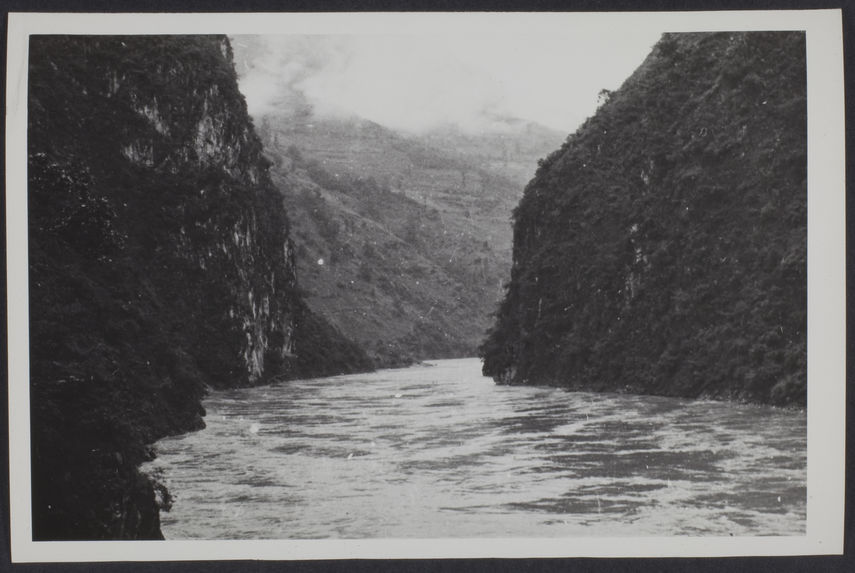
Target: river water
pixel 437 450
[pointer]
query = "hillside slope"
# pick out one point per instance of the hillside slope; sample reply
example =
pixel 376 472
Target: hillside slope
pixel 662 249
pixel 413 229
pixel 415 241
pixel 511 148
pixel 160 264
pixel 392 273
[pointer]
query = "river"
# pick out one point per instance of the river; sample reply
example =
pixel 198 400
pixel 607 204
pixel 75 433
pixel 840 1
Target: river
pixel 437 450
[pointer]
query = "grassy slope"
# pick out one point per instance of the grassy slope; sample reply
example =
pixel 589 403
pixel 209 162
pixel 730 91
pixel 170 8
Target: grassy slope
pixel 413 258
pixel 381 281
pixel 662 249
pixel 510 148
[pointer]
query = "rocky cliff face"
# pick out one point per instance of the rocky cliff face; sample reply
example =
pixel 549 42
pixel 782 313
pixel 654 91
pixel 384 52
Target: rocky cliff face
pixel 662 249
pixel 160 263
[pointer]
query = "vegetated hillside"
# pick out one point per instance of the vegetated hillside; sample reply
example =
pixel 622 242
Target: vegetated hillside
pixel 413 230
pixel 160 264
pixel 662 249
pixel 510 147
pixel 415 240
pixel 403 278
pixel 446 168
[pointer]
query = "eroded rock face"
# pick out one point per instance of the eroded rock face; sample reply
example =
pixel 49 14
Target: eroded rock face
pixel 662 249
pixel 160 264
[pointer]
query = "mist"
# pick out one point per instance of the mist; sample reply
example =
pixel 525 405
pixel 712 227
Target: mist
pixel 416 83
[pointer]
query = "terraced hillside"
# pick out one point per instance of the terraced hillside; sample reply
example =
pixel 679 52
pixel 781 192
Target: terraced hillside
pixel 406 275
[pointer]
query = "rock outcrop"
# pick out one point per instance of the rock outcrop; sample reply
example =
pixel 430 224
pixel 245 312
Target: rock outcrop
pixel 160 265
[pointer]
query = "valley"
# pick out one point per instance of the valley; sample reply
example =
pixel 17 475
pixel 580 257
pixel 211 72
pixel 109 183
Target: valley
pixel 403 245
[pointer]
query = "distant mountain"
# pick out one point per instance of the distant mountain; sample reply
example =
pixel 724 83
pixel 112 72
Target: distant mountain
pixel 413 229
pixel 511 147
pixel 662 249
pixel 403 246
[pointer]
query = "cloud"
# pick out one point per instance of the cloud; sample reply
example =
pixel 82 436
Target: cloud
pixel 416 82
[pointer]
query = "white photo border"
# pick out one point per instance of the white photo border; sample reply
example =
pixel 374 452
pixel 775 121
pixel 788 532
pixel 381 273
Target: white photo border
pixel 826 408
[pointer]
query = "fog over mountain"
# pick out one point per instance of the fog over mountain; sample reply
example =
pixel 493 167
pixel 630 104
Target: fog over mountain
pixel 416 83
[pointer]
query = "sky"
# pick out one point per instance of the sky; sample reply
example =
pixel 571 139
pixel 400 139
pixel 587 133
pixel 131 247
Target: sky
pixel 417 82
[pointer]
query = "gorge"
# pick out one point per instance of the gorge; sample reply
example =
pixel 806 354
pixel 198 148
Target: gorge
pixel 180 247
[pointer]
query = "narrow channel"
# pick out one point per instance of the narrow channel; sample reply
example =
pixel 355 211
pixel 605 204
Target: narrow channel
pixel 437 450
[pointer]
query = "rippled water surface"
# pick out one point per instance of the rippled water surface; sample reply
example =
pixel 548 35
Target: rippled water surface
pixel 440 451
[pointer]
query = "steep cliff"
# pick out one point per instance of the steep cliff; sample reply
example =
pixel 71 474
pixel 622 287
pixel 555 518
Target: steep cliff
pixel 160 264
pixel 662 249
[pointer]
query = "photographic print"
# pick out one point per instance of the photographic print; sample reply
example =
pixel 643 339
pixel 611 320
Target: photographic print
pixel 481 288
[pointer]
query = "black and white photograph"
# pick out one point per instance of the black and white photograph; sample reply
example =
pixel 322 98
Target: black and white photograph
pixel 375 285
